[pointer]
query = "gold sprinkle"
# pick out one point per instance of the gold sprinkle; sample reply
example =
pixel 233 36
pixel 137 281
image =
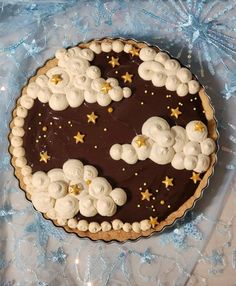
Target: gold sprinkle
pixel 140 189
pixel 69 122
pixel 116 72
pixel 40 137
pixel 95 146
pixel 88 182
pixel 134 52
pixel 154 198
pixel 123 169
pixel 71 125
pixel 39 114
pixel 136 174
pixel 203 111
pixel 138 206
pixel 152 206
pixel 50 123
pixel 153 210
pixel 145 91
pixel 162 202
pixel 168 206
pixel 37 141
pixel 114 62
pixel 152 93
pixel 79 138
pixel 168 181
pixel 44 135
pixel 106 87
pixel 108 57
pixel 105 129
pixel 44 157
pixel 60 127
pixel 145 184
pixel 40 122
pixel 195 98
pixel 110 109
pixel 92 117
pixel 146 195
pixel 168 107
pixel 44 128
pixel 56 78
pixel 191 99
pixel 157 191
pixel 142 103
pixel 194 108
pixel 127 77
pixel 29 128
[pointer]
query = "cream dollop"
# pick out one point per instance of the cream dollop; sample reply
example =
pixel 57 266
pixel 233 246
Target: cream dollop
pixel 117 224
pixel 203 163
pixel 161 155
pixel 208 146
pixel 40 180
pixel 99 187
pixel 57 189
pixel 42 201
pixel 196 131
pixel 82 225
pixel 73 169
pixel 119 196
pixel 145 225
pixel 94 227
pixel 106 206
pixel 87 206
pixel 178 161
pixel 147 54
pixel 67 207
pixel 192 148
pixel 106 226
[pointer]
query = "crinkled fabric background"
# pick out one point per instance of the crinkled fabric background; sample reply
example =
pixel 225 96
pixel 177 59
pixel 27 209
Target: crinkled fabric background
pixel 203 35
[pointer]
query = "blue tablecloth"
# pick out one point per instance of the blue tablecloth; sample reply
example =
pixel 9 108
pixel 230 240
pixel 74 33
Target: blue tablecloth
pixel 202 35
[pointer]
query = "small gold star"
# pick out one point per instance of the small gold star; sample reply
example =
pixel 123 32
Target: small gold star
pixel 127 77
pixel 106 87
pixel 44 157
pixel 79 138
pixel 56 78
pixel 75 189
pixel 88 182
pixel 153 221
pixel 92 117
pixel 199 126
pixel 134 52
pixel 114 62
pixel 195 177
pixel 141 141
pixel 168 181
pixel 175 112
pixel 146 195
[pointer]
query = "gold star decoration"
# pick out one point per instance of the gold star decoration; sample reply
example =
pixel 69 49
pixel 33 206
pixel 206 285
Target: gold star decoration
pixel 106 87
pixel 75 189
pixel 88 182
pixel 146 195
pixel 141 141
pixel 175 112
pixel 92 117
pixel 44 157
pixel 114 62
pixel 56 78
pixel 195 177
pixel 79 138
pixel 153 221
pixel 199 126
pixel 127 77
pixel 168 182
pixel 134 52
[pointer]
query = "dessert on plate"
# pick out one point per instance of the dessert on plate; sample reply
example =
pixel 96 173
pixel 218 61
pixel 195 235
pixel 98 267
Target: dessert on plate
pixel 113 139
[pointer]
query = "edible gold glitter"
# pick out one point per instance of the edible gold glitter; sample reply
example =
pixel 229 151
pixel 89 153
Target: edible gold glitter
pixel 142 103
pixel 50 123
pixel 145 184
pixel 60 127
pixel 105 129
pixel 145 91
pixel 44 128
pixel 162 202
pixel 45 136
pixel 168 206
pixel 110 109
pixel 152 93
pixel 29 128
pixel 39 114
pixel 95 146
pixel 136 174
pixel 40 122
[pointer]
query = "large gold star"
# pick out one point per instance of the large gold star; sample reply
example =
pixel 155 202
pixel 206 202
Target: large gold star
pixel 199 126
pixel 106 87
pixel 75 189
pixel 146 195
pixel 56 78
pixel 114 62
pixel 153 221
pixel 79 138
pixel 44 157
pixel 175 112
pixel 141 141
pixel 134 52
pixel 92 117
pixel 127 77
pixel 195 177
pixel 168 181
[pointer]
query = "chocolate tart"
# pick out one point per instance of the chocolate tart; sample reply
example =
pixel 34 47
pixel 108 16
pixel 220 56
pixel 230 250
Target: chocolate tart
pixel 95 116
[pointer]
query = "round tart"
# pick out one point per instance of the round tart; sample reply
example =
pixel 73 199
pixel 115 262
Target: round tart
pixel 113 139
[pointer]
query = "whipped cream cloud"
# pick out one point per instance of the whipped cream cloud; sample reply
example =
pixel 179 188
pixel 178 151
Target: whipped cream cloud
pixel 185 148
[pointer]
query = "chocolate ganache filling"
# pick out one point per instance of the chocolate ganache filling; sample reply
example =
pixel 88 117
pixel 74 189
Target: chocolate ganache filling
pixel 54 131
